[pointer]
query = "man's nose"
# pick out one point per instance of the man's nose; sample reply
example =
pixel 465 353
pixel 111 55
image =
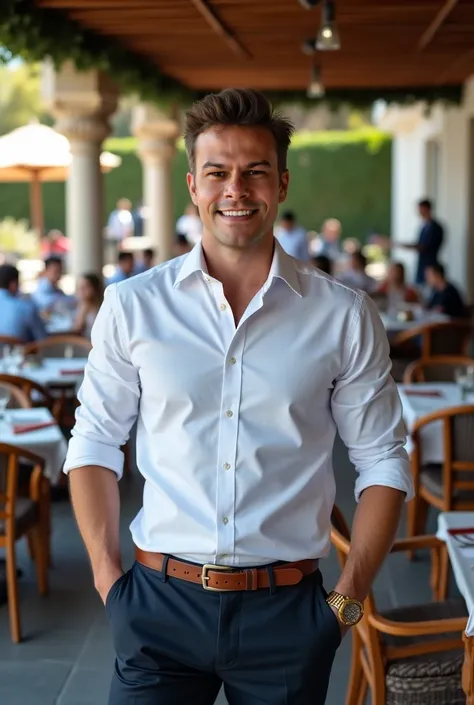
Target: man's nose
pixel 236 188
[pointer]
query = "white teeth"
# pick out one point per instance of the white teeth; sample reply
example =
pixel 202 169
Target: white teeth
pixel 235 214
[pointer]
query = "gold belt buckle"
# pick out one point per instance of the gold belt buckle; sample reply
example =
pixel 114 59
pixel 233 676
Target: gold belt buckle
pixel 205 577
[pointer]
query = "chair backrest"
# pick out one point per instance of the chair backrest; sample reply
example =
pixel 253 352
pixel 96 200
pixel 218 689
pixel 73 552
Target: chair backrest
pixel 10 341
pixel 448 338
pixel 458 436
pixel 30 389
pixel 18 398
pixel 56 345
pixel 10 457
pixel 440 368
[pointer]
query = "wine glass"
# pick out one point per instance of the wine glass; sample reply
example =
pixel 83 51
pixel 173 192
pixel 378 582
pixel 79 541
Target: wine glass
pixel 68 351
pixel 16 358
pixel 5 396
pixel 463 380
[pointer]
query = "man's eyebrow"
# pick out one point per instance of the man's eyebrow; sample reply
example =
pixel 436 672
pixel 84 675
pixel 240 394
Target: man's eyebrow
pixel 250 165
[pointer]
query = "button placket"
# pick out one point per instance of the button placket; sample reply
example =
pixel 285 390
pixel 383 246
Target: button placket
pixel 227 450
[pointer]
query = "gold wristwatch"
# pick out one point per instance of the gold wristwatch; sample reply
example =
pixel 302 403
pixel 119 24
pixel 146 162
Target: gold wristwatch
pixel 350 611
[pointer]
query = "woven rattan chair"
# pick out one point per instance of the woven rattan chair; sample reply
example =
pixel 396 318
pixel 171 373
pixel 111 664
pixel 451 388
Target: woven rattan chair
pixel 56 345
pixel 23 516
pixel 409 655
pixel 440 368
pixel 448 486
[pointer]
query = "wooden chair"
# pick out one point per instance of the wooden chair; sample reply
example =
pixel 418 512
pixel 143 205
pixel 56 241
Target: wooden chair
pixel 18 398
pixel 55 346
pixel 448 486
pixel 38 396
pixel 447 338
pixel 23 516
pixel 440 368
pixel 408 655
pixel 10 341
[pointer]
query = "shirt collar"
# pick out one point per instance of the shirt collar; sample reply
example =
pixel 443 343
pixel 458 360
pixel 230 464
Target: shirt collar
pixel 282 267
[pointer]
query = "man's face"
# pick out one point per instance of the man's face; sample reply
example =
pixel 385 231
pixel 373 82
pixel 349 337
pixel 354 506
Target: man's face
pixel 424 212
pixel 54 272
pixel 127 265
pixel 431 277
pixel 236 185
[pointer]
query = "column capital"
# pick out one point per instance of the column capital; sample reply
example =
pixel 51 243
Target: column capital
pixel 82 102
pixel 156 133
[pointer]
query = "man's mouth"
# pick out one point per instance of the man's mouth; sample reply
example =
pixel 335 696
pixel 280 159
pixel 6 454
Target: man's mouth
pixel 242 213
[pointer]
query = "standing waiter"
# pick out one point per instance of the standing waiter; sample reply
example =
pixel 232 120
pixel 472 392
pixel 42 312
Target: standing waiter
pixel 239 364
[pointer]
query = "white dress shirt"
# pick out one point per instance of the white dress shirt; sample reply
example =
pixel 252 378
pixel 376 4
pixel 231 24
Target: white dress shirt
pixel 235 426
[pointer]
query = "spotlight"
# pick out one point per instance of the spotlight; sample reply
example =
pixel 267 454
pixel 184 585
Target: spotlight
pixel 309 47
pixel 328 36
pixel 309 4
pixel 315 86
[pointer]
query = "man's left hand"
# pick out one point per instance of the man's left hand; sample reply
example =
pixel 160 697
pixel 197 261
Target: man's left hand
pixel 344 628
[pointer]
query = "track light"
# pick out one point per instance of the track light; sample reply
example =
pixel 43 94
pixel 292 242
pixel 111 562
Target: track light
pixel 315 86
pixel 328 36
pixel 309 4
pixel 309 47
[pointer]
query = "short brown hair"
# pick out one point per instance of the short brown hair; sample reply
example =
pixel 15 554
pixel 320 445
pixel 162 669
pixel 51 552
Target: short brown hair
pixel 237 106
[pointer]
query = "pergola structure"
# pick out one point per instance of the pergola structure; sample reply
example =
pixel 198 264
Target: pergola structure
pixel 392 49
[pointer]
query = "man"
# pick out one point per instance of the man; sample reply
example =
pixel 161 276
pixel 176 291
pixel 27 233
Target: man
pixel 292 237
pixel 356 276
pixel 48 292
pixel 120 226
pixel 125 268
pixel 445 298
pixel 240 364
pixel 429 242
pixel 19 317
pixel 148 261
pixel 330 238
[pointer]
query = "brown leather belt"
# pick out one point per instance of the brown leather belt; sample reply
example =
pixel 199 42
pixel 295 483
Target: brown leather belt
pixel 219 578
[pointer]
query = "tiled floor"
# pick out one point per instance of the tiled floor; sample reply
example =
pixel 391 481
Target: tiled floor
pixel 66 656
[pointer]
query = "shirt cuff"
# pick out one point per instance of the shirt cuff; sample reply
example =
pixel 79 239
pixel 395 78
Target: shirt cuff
pixel 397 477
pixel 83 452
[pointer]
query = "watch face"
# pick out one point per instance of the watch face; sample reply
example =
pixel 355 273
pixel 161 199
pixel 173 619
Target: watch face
pixel 351 612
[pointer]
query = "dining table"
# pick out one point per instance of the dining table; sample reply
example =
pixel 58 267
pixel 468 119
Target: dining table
pixel 421 399
pixel 57 371
pixel 393 323
pixel 456 529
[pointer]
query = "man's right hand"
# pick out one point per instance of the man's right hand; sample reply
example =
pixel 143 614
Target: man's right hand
pixel 104 581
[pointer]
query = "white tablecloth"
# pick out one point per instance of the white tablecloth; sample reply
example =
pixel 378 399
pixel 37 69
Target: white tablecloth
pixel 52 368
pixel 414 407
pixel 49 443
pixel 59 323
pixel 462 558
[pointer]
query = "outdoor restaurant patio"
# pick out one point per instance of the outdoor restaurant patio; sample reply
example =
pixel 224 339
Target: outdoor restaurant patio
pixel 412 56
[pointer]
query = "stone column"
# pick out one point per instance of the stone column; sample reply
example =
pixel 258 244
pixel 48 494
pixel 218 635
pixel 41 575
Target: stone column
pixel 157 135
pixel 82 104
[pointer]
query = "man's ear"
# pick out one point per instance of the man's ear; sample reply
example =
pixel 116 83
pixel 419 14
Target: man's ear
pixel 191 187
pixel 284 183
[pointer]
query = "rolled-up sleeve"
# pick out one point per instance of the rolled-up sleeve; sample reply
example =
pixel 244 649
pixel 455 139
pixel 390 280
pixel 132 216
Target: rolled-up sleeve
pixel 367 409
pixel 109 395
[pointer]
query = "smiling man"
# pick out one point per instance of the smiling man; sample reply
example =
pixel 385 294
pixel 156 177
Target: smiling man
pixel 239 365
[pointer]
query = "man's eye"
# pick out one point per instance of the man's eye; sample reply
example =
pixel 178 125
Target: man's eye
pixel 217 173
pixel 255 172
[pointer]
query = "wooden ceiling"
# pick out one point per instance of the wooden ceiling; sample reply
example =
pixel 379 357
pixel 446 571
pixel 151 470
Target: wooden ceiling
pixel 210 44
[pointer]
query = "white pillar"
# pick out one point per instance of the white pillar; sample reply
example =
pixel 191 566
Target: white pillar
pixel 82 103
pixel 156 147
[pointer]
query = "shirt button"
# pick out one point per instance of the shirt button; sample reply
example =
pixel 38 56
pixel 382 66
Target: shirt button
pixel 223 307
pixel 232 360
pixel 208 280
pixel 226 466
pixel 229 413
pixel 225 520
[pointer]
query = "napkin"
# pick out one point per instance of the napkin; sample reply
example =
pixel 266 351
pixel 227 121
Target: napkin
pixel 27 427
pixel 79 371
pixel 468 530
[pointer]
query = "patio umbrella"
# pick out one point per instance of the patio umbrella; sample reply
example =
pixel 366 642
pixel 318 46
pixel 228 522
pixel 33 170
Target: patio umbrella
pixel 36 153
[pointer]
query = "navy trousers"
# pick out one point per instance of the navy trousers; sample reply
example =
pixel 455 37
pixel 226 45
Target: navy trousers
pixel 177 643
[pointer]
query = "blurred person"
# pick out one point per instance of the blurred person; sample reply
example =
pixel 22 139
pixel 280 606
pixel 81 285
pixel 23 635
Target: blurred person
pixel 90 294
pixel 356 277
pixel 125 268
pixel 119 226
pixel 55 244
pixel 292 237
pixel 330 239
pixel 395 287
pixel 147 261
pixel 138 217
pixel 189 224
pixel 429 243
pixel 181 245
pixel 48 293
pixel 445 297
pixel 19 317
pixel 323 263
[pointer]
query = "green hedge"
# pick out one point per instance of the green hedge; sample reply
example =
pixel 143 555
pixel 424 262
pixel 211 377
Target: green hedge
pixel 333 174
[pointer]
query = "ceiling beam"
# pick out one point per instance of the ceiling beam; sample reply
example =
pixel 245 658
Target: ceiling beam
pixel 220 29
pixel 440 17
